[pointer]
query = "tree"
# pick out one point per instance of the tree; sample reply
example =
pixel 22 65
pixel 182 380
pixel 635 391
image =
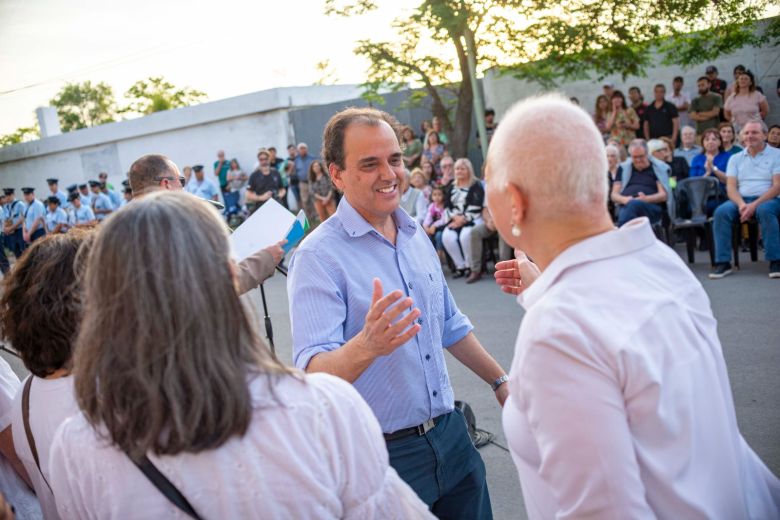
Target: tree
pixel 21 135
pixel 156 94
pixel 545 42
pixel 82 105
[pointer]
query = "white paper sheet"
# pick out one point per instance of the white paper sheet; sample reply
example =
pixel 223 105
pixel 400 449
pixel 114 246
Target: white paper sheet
pixel 264 227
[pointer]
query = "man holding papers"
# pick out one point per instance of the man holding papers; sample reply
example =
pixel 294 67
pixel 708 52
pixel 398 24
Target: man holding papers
pixel 368 303
pixel 156 172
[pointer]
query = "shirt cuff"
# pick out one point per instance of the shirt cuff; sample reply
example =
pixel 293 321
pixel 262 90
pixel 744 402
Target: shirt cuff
pixel 303 357
pixel 455 329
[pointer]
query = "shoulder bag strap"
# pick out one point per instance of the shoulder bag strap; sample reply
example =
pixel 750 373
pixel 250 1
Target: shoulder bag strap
pixel 27 429
pixel 165 486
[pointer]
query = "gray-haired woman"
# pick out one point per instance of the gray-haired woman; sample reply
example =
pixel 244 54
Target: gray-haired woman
pixel 171 374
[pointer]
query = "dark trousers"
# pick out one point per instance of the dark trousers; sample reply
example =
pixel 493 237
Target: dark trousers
pixel 445 470
pixel 38 233
pixel 637 208
pixel 15 242
pixel 4 265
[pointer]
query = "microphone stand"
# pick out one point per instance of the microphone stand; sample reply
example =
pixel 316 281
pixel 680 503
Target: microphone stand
pixel 269 330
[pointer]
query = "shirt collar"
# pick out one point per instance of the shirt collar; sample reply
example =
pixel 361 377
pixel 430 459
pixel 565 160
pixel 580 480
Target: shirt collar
pixel 633 236
pixel 356 226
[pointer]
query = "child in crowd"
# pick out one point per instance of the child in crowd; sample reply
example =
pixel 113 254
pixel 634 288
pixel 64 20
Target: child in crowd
pixel 419 181
pixel 436 219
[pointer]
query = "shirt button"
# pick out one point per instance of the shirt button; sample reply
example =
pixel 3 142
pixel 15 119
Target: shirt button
pixel 410 286
pixel 427 357
pixel 435 393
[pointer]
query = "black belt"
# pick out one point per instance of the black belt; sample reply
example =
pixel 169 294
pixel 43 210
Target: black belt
pixel 418 430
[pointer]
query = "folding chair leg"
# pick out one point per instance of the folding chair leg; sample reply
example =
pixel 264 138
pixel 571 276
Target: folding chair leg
pixel 710 242
pixel 736 237
pixel 753 240
pixel 690 244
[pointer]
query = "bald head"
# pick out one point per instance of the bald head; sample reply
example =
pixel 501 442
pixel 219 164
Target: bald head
pixel 149 171
pixel 551 150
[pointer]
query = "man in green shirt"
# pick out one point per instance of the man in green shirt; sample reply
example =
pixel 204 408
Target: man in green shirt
pixel 705 108
pixel 221 167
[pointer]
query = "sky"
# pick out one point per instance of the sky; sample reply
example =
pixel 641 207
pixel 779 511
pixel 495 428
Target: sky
pixel 224 48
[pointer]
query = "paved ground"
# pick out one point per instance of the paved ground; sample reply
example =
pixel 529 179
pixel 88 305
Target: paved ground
pixel 746 304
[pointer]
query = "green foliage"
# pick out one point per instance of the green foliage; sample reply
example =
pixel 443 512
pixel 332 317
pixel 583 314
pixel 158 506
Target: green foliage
pixel 156 94
pixel 82 105
pixel 21 135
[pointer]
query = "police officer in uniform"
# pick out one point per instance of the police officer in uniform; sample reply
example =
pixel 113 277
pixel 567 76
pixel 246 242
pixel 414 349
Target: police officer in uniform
pixel 14 221
pixel 81 215
pixel 128 193
pixel 55 191
pixel 101 204
pixel 4 265
pixel 86 196
pixel 56 218
pixel 113 196
pixel 34 217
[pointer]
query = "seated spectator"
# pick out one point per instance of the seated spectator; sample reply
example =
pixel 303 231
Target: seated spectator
pixel 434 151
pixel 80 214
pixel 482 230
pixel 419 181
pixel 322 189
pixel 430 174
pixel 447 167
pixel 412 200
pixel 728 138
pixel 705 108
pixel 620 148
pixel 199 395
pixel 465 199
pixel 640 188
pixel 622 121
pixel 773 137
pixel 56 218
pixel 661 118
pixel 746 103
pixel 712 162
pixel 413 148
pixel 436 218
pixel 202 187
pixel 688 148
pixel 44 336
pixel 753 186
pixel 600 115
pixel 663 152
pixel 614 169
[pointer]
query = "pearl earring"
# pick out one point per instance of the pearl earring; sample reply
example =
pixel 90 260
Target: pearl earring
pixel 516 230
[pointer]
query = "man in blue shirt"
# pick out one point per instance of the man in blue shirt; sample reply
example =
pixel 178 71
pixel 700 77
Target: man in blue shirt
pixel 389 345
pixel 34 217
pixel 86 196
pixel 101 204
pixel 55 191
pixel 14 221
pixel 80 214
pixel 56 218
pixel 302 164
pixel 200 186
pixel 4 264
pixel 113 196
pixel 753 187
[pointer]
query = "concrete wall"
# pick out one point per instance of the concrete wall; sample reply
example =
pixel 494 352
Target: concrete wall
pixel 188 136
pixel 501 92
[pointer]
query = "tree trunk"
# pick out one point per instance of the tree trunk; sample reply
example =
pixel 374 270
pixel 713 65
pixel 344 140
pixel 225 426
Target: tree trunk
pixel 461 127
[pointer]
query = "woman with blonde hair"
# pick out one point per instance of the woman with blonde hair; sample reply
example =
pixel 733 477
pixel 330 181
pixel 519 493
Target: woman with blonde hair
pixel 465 198
pixel 172 377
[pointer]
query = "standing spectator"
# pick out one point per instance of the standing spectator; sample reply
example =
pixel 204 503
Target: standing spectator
pixel 639 188
pixel 727 137
pixel 103 179
pixel 600 113
pixel 607 89
pixel 55 191
pixel 434 151
pixel 746 103
pixel 4 264
pixel 490 124
pixel 773 137
pixel 13 232
pixel 288 167
pixel 81 215
pixel 236 187
pixel 56 218
pixel 412 200
pixel 187 173
pixel 706 107
pixel 86 196
pixel 447 165
pixel 221 167
pixel 273 160
pixel 264 183
pixel 425 127
pixel 717 85
pixel 112 195
pixel 202 187
pixel 101 204
pixel 322 189
pixel 639 106
pixel 738 71
pixel 681 100
pixel 688 148
pixel 34 217
pixel 753 186
pixel 622 121
pixel 44 335
pixel 436 127
pixel 661 118
pixel 413 148
pixel 302 164
pixel 465 200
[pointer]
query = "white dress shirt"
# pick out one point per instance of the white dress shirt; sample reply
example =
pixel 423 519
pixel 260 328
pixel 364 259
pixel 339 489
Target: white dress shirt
pixel 313 449
pixel 620 404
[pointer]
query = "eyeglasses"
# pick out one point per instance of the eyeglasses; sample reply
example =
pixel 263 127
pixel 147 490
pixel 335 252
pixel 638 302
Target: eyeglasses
pixel 182 180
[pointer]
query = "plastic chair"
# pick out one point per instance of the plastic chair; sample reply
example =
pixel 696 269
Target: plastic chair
pixel 697 190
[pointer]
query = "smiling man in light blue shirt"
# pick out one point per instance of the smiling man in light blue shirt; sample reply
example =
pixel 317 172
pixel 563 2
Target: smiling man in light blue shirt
pixel 389 345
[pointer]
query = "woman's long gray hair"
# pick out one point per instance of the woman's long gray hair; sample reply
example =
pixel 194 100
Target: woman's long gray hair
pixel 165 347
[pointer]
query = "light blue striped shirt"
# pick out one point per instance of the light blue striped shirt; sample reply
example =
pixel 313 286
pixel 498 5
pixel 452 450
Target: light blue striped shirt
pixel 330 284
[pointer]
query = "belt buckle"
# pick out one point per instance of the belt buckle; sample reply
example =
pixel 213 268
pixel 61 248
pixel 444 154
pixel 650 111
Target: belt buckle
pixel 425 427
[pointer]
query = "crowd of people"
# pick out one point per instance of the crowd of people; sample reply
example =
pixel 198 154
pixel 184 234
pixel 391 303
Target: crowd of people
pixel 720 133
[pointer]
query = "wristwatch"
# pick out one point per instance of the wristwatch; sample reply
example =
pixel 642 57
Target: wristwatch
pixel 500 381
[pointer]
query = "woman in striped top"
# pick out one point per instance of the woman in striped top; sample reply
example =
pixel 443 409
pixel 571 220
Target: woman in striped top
pixel 465 198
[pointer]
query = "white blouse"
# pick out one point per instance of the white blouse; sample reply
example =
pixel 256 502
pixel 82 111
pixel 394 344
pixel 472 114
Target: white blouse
pixel 316 451
pixel 620 404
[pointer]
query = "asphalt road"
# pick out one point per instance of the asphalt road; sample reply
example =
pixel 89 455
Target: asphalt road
pixel 746 304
